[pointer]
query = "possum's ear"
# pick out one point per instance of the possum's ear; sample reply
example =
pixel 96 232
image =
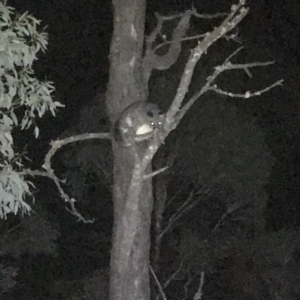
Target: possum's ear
pixel 150 114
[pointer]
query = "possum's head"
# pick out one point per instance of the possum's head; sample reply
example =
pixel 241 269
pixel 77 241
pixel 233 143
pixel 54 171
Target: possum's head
pixel 154 118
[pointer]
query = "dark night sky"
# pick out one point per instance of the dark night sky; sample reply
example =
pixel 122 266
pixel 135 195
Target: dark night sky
pixel 77 61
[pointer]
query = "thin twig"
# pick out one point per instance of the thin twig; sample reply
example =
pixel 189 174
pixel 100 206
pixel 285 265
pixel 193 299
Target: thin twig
pixel 155 173
pixel 247 94
pixel 198 295
pixel 179 41
pixel 158 284
pixel 49 172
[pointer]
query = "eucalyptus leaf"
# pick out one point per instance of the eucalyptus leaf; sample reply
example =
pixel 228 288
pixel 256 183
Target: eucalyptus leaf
pixel 20 41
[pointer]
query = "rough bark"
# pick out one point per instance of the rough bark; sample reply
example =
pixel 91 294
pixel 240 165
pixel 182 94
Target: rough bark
pixel 129 75
pixel 129 275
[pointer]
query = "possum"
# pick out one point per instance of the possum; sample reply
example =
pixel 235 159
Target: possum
pixel 138 122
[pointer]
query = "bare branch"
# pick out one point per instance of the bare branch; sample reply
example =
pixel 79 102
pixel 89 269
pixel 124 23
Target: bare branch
pixel 227 65
pixel 186 288
pixel 63 195
pixel 49 172
pixel 233 37
pixel 158 284
pixel 194 37
pixel 55 145
pixel 171 199
pixel 247 94
pixel 234 207
pixel 151 175
pixel 198 295
pixel 175 16
pixel 181 210
pixel 187 205
pixel 206 16
pixel 234 53
pixel 238 12
pixel 163 62
pixel 173 275
pixel 194 13
pixel 152 37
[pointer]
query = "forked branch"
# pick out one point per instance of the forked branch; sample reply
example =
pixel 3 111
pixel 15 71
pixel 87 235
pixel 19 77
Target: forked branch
pixel 238 12
pixel 49 172
pixel 227 65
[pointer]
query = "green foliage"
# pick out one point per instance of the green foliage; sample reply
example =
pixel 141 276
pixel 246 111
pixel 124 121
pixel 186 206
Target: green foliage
pixel 13 189
pixel 22 98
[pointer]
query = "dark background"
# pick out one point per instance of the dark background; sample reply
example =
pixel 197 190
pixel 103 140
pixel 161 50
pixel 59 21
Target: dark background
pixel 77 63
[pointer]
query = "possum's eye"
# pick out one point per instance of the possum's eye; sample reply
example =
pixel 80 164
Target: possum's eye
pixel 150 114
pixel 152 124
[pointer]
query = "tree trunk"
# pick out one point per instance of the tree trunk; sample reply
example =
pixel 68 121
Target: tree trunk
pixel 129 75
pixel 132 196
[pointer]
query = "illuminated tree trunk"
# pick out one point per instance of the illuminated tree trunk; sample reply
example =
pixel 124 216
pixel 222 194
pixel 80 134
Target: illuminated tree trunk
pixel 129 75
pixel 132 196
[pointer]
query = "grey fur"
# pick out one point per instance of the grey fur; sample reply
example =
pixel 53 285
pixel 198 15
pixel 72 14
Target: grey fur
pixel 138 122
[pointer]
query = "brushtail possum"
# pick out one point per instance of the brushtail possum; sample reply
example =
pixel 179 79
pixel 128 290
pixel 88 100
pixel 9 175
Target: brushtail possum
pixel 138 122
